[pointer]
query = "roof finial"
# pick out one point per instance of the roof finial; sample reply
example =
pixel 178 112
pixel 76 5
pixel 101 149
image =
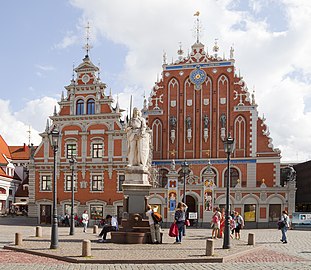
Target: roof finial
pixel 117 105
pixel 231 51
pixel 164 58
pixel 180 52
pixel 29 135
pixel 55 113
pixel 197 27
pixel 98 73
pixel 216 47
pixel 253 96
pixel 73 72
pixel 87 46
pixel 47 127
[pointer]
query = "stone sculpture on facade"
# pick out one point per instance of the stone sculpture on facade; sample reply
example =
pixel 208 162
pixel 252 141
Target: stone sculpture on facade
pixel 138 140
pixel 223 122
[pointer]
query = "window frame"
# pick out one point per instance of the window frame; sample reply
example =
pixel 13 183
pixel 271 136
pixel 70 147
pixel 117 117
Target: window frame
pixel 93 180
pixel 70 153
pixel 45 181
pixel 99 151
pixel 80 107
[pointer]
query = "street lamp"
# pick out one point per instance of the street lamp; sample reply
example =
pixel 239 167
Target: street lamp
pixel 185 170
pixel 229 148
pixel 54 137
pixel 72 162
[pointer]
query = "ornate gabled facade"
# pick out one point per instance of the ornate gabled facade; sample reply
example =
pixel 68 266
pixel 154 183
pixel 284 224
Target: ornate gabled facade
pixel 200 100
pixel 91 132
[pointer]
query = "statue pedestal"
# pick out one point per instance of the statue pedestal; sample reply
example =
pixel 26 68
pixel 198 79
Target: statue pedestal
pixel 136 188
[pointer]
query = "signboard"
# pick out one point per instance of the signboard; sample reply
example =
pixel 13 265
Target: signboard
pixel 301 218
pixel 192 215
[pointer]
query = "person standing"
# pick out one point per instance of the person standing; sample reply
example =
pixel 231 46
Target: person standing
pixel 85 220
pixel 216 223
pixel 154 226
pixel 110 226
pixel 284 228
pixel 239 224
pixel 180 217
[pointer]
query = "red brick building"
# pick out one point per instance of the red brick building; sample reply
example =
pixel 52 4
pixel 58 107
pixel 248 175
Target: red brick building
pixel 198 101
pixel 91 131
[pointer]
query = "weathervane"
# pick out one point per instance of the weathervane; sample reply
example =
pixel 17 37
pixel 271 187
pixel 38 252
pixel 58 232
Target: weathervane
pixel 87 46
pixel 197 26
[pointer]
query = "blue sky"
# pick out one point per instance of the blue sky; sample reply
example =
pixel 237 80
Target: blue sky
pixel 41 40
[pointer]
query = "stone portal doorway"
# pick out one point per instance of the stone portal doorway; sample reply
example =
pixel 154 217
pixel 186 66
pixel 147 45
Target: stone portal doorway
pixel 192 208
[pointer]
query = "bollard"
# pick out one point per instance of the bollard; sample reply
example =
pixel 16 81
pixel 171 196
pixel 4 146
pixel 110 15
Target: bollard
pixel 18 239
pixel 251 239
pixel 95 229
pixel 86 248
pixel 38 231
pixel 209 247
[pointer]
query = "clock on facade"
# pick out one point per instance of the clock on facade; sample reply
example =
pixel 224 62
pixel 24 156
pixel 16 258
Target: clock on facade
pixel 197 77
pixel 85 78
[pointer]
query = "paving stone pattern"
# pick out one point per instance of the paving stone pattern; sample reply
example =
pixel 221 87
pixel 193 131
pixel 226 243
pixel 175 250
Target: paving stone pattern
pixel 270 254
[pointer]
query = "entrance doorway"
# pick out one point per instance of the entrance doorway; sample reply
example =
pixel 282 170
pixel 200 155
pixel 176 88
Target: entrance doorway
pixel 192 208
pixel 45 214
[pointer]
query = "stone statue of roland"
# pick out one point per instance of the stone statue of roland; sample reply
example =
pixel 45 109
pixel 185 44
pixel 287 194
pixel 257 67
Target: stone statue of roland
pixel 138 141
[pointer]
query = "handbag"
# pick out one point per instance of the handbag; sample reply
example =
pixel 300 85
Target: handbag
pixel 173 232
pixel 187 222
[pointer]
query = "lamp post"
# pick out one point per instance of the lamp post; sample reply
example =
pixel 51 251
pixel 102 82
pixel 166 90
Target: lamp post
pixel 229 148
pixel 72 162
pixel 54 137
pixel 185 170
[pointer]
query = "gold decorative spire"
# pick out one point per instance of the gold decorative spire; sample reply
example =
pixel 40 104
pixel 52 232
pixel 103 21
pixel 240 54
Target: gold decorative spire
pixel 197 27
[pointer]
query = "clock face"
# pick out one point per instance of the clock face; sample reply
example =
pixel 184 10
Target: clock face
pixel 85 78
pixel 197 77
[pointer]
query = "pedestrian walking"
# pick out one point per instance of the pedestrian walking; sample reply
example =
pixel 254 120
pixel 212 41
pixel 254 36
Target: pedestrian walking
pixel 284 225
pixel 239 224
pixel 85 220
pixel 180 217
pixel 154 226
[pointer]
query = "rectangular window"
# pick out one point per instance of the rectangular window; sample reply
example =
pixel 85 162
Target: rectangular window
pixel 68 183
pixel 46 183
pixel 97 211
pixel 250 212
pixel 71 151
pixel 274 212
pixel 121 181
pixel 97 183
pixel 97 150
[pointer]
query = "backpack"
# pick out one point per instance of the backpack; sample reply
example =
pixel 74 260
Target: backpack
pixel 156 217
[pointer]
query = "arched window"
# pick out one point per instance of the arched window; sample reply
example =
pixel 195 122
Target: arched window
pixel 163 178
pixel 234 177
pixel 80 107
pixel 181 176
pixel 90 106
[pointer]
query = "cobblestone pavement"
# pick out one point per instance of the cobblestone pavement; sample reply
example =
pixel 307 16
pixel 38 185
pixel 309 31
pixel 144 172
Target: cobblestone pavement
pixel 271 254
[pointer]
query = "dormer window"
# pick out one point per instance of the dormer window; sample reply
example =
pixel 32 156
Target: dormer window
pixel 80 107
pixel 91 106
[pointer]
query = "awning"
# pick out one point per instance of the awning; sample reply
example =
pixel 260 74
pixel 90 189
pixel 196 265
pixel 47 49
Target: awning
pixel 20 203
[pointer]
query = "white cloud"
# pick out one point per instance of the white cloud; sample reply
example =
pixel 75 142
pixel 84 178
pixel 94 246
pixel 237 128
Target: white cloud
pixel 265 58
pixel 33 115
pixel 69 39
pixel 44 68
